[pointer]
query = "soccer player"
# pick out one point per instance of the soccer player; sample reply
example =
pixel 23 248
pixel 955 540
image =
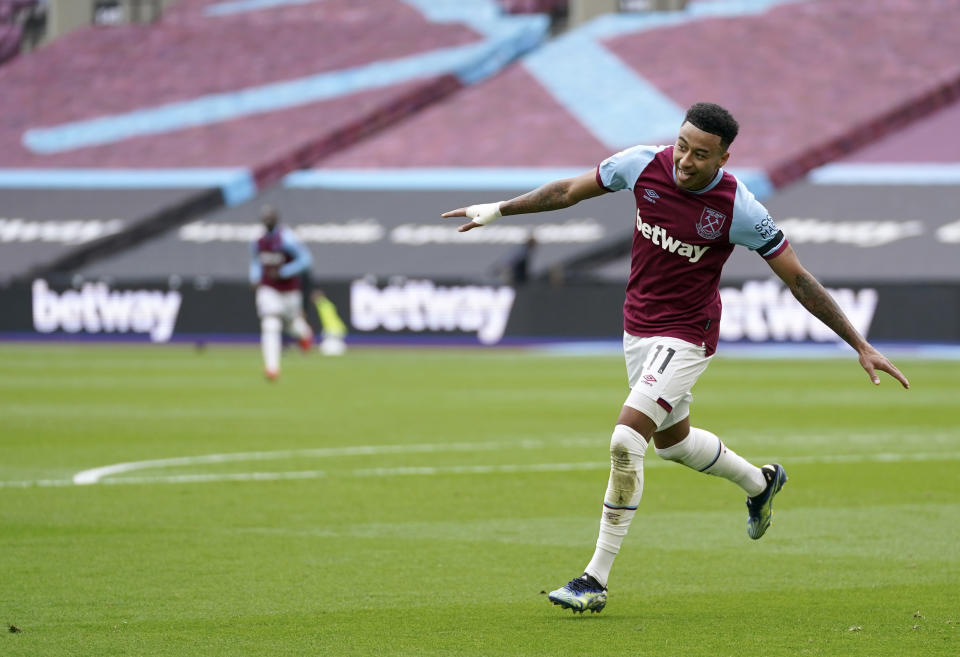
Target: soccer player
pixel 277 260
pixel 690 215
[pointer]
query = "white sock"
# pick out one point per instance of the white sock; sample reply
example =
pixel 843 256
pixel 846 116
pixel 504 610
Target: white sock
pixel 703 451
pixel 624 489
pixel 270 342
pixel 301 328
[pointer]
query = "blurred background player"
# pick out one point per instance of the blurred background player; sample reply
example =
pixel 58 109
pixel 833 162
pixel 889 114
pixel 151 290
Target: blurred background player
pixel 277 261
pixel 516 267
pixel 333 329
pixel 690 215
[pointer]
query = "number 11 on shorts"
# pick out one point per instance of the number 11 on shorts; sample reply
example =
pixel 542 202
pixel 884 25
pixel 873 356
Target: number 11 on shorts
pixel 654 359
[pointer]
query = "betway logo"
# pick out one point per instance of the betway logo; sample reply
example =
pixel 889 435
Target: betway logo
pixel 659 236
pixel 95 308
pixel 763 311
pixel 422 306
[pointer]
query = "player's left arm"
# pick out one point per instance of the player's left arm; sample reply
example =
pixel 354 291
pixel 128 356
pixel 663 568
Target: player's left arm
pixel 302 258
pixel 818 302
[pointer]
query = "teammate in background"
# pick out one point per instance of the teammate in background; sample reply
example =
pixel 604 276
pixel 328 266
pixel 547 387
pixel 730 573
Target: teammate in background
pixel 334 330
pixel 690 215
pixel 277 260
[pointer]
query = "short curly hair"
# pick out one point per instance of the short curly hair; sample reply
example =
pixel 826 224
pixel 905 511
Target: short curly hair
pixel 714 119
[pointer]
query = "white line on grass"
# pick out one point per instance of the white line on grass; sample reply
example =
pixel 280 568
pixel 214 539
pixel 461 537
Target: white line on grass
pixel 94 475
pixel 97 475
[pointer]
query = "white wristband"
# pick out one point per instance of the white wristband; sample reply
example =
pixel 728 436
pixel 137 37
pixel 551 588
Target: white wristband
pixel 484 213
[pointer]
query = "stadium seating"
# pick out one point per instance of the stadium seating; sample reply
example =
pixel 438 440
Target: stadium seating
pixel 932 140
pixel 268 86
pixel 810 81
pixel 276 86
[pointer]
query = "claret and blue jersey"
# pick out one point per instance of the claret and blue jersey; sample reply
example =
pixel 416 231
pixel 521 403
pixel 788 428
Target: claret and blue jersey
pixel 681 241
pixel 277 260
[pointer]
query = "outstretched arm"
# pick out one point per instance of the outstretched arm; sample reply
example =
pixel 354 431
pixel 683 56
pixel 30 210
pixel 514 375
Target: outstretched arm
pixel 812 295
pixel 551 196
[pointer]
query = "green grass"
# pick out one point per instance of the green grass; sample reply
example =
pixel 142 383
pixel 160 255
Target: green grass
pixel 482 491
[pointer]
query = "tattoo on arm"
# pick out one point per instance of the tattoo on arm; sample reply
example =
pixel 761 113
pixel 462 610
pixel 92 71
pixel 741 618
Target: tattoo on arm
pixel 812 295
pixel 552 196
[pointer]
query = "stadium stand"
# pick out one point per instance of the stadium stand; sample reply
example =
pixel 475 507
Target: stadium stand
pixel 401 127
pixel 199 89
pixel 243 91
pixel 813 81
pixel 931 140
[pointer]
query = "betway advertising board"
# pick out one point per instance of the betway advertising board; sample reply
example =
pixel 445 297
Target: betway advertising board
pixel 424 310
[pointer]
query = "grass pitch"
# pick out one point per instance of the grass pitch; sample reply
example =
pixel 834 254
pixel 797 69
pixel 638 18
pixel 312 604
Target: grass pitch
pixel 417 502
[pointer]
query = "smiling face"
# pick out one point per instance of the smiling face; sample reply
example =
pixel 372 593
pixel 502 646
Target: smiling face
pixel 697 156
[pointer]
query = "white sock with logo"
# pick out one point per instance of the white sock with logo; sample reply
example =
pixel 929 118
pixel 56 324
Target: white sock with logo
pixel 624 489
pixel 705 452
pixel 271 329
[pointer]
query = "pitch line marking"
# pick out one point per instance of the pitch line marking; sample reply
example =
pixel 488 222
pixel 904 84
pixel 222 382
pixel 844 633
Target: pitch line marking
pixel 96 475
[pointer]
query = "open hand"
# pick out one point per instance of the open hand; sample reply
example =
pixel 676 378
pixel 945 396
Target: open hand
pixel 872 360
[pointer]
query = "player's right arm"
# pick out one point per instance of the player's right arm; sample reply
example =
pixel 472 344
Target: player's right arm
pixel 552 196
pixel 818 302
pixel 256 269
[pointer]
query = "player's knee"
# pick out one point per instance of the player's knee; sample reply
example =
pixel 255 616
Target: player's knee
pixel 271 324
pixel 626 444
pixel 699 450
pixel 678 452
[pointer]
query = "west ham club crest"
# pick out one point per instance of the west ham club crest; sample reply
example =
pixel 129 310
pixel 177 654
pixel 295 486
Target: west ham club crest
pixel 710 226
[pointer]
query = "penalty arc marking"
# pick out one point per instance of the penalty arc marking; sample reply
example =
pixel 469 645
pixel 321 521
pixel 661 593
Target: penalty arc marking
pixel 101 475
pixel 95 475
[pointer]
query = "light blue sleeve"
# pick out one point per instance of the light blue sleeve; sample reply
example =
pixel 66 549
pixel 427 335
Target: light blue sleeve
pixel 621 170
pixel 256 269
pixel 302 259
pixel 752 226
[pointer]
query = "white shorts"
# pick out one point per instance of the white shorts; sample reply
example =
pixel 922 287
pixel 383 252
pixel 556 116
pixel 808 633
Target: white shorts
pixel 273 303
pixel 662 372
